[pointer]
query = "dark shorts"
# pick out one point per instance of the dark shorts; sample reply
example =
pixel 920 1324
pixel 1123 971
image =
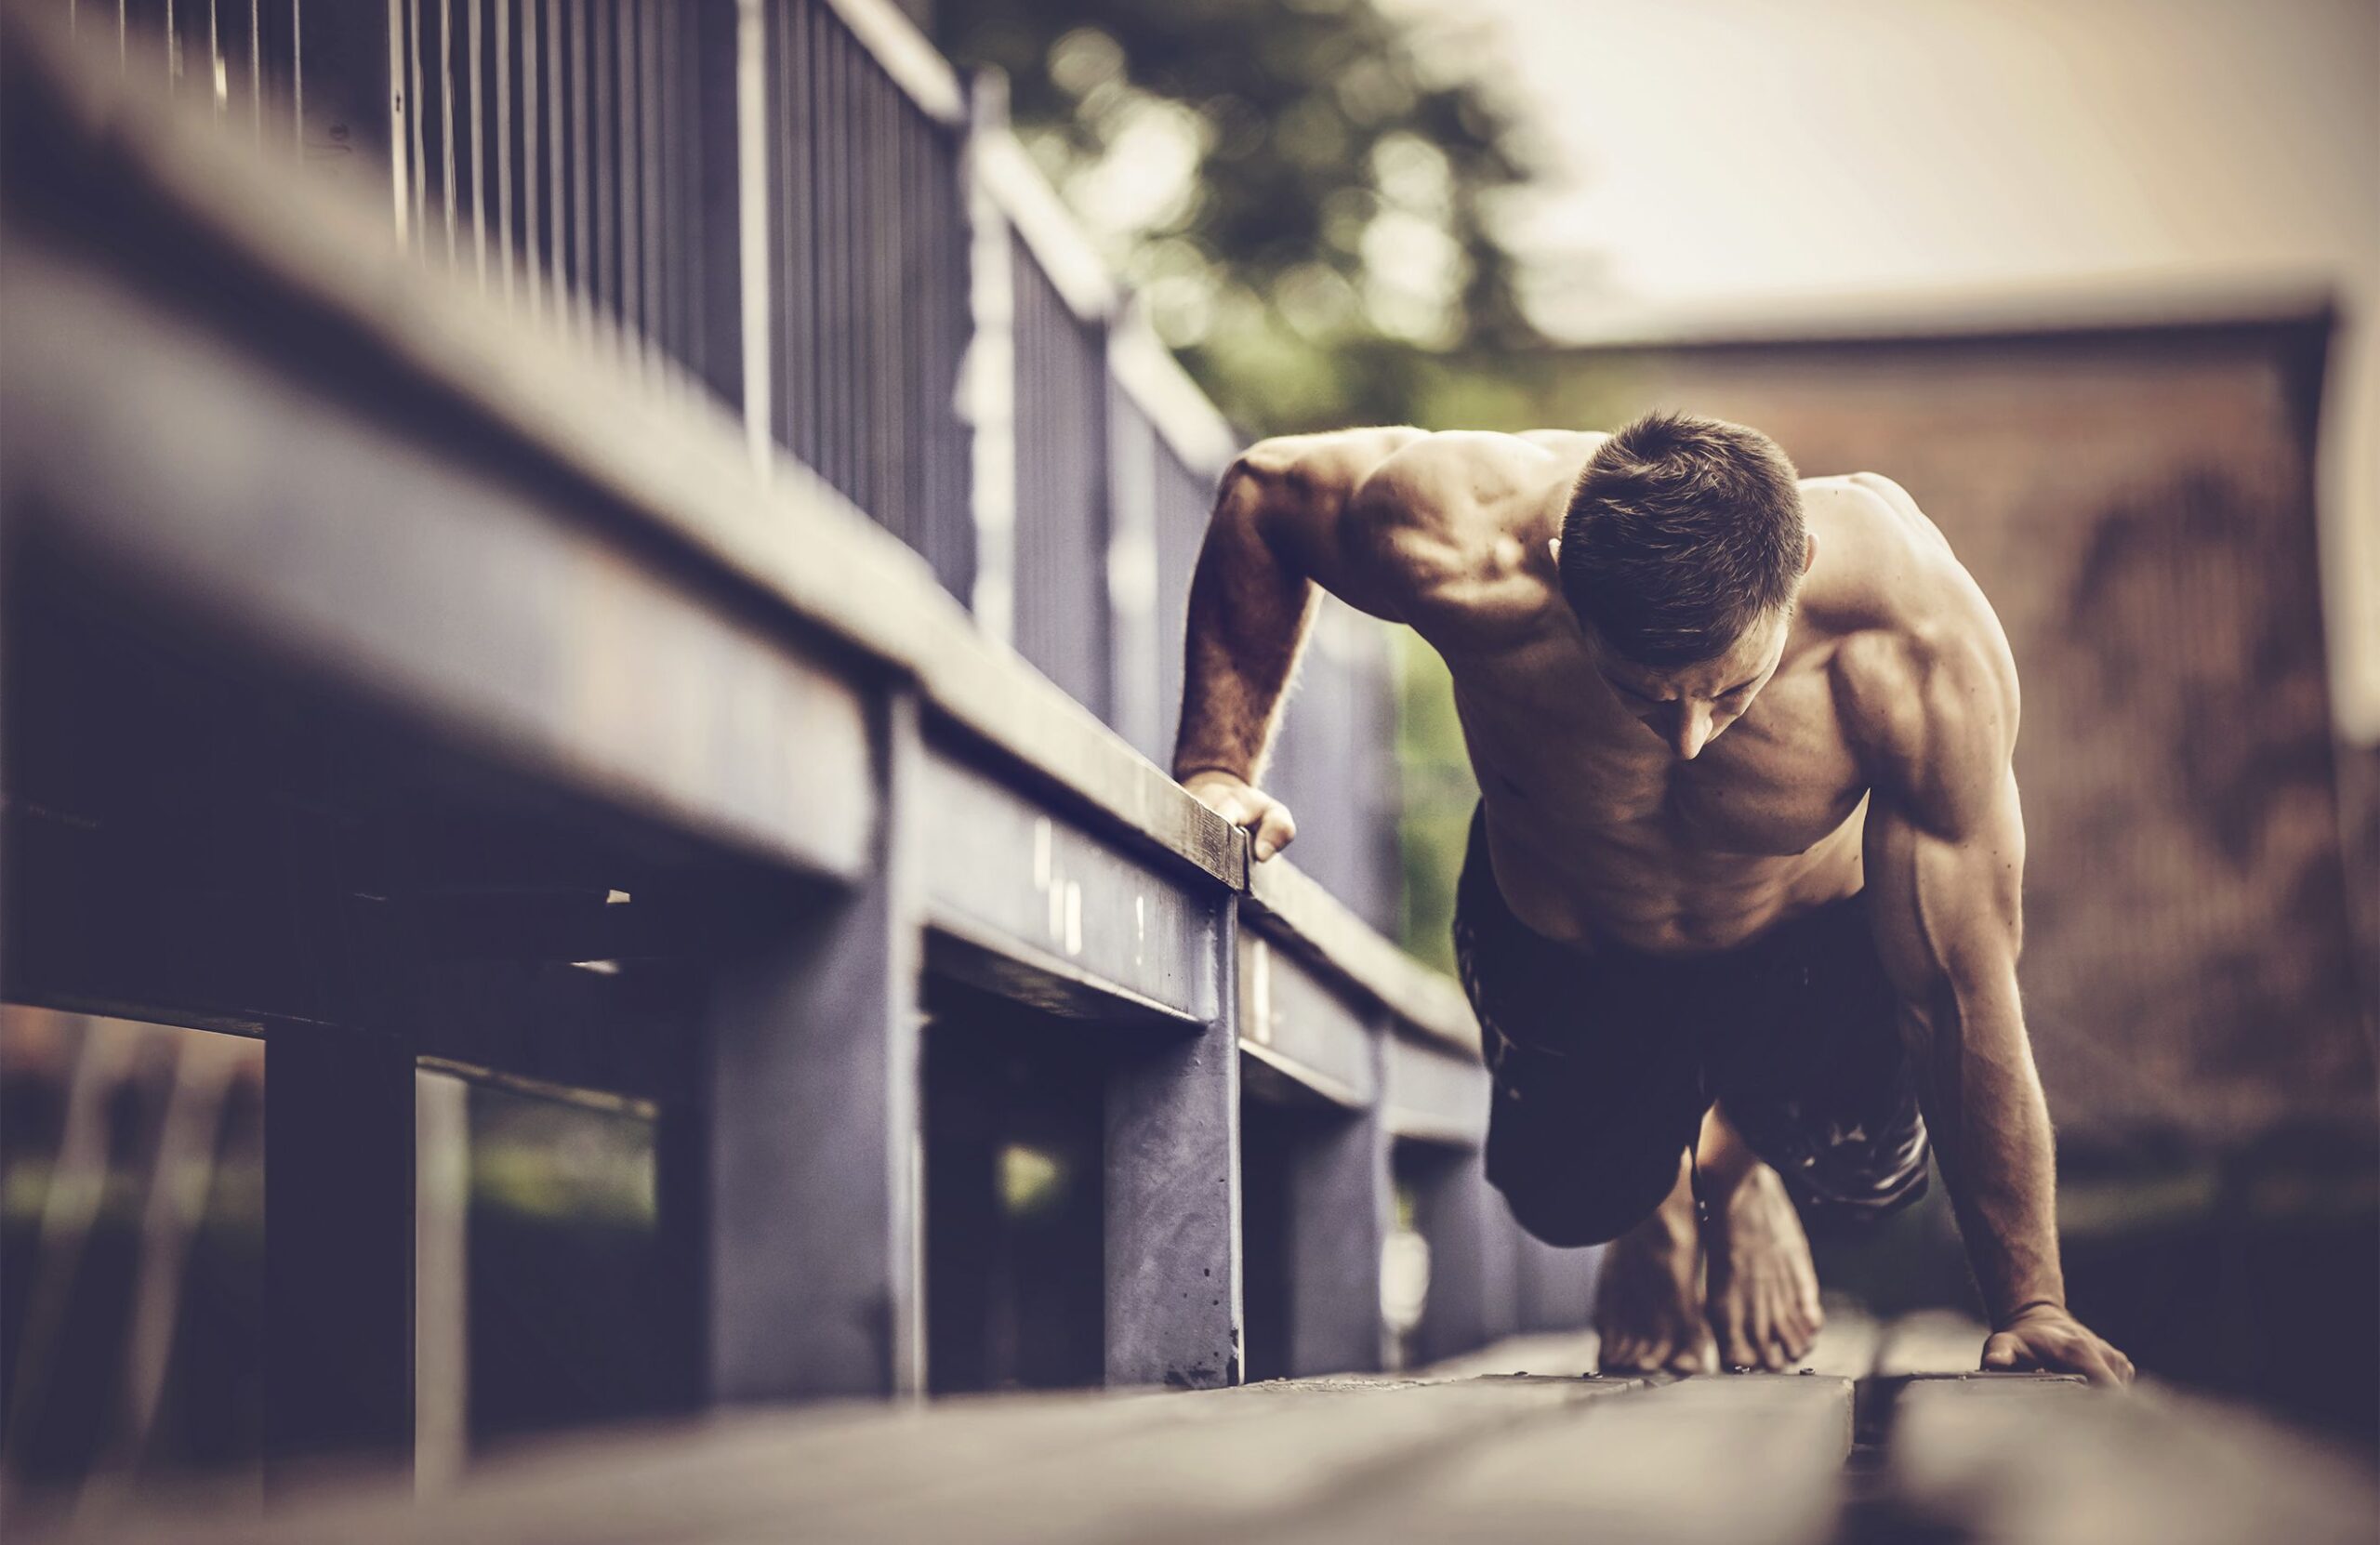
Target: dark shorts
pixel 1604 1059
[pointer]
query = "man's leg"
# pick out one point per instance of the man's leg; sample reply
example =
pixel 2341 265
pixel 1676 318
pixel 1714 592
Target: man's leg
pixel 1761 1285
pixel 1648 1295
pixel 1745 1278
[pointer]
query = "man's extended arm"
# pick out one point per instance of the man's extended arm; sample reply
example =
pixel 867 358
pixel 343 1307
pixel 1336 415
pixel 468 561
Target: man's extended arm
pixel 1945 855
pixel 1276 533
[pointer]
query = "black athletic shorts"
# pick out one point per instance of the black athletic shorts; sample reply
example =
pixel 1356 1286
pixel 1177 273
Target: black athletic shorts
pixel 1604 1059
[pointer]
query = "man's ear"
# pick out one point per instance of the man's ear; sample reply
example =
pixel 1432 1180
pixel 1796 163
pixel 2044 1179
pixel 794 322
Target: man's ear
pixel 1554 546
pixel 1809 548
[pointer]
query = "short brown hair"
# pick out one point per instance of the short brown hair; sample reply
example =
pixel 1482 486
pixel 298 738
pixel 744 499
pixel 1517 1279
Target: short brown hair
pixel 1681 532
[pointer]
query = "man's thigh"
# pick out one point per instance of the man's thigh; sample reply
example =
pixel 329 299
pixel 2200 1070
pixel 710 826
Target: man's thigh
pixel 1595 1097
pixel 1808 1062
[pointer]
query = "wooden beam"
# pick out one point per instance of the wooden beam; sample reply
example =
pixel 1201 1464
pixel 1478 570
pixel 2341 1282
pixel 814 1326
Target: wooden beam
pixel 458 600
pixel 1297 1028
pixel 1294 911
pixel 1007 878
pixel 1434 1094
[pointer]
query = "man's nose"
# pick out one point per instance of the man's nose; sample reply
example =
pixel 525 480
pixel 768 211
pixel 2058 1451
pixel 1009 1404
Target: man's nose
pixel 1691 730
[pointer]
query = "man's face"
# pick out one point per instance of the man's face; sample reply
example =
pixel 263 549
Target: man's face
pixel 1689 706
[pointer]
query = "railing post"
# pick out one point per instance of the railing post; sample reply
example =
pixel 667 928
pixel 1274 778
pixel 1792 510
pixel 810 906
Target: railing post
pixel 1556 1286
pixel 338 1273
pixel 989 390
pixel 1471 1281
pixel 1174 1308
pixel 1339 1203
pixel 442 1365
pixel 790 1185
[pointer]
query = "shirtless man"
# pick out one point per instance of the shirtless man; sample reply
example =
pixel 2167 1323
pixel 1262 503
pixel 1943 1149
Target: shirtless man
pixel 1742 894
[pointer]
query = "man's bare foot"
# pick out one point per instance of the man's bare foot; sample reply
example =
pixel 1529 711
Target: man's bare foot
pixel 1763 1299
pixel 1648 1300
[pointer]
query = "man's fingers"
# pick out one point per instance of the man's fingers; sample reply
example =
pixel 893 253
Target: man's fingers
pixel 1274 831
pixel 2006 1353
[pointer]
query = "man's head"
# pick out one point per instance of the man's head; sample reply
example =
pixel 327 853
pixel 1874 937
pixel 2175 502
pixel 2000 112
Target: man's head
pixel 1681 553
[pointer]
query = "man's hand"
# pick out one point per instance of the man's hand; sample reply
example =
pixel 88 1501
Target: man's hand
pixel 2045 1337
pixel 1242 804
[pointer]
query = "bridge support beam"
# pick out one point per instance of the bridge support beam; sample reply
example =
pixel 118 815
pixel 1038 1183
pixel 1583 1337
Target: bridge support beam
pixel 1340 1201
pixel 338 1271
pixel 789 1182
pixel 1174 1309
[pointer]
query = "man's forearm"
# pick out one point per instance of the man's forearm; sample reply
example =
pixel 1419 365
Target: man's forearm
pixel 1247 618
pixel 1991 1135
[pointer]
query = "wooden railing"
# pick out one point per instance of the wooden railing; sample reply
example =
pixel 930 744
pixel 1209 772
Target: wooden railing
pixel 382 657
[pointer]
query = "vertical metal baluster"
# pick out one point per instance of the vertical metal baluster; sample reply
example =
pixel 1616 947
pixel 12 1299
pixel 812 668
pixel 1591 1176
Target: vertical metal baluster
pixel 255 69
pixel 479 150
pixel 626 172
pixel 582 233
pixel 446 116
pixel 420 159
pixel 532 249
pixel 218 83
pixel 504 144
pixel 173 53
pixel 845 235
pixel 554 232
pixel 885 309
pixel 123 30
pixel 401 159
pixel 605 169
pixel 790 222
pixel 690 193
pixel 827 159
pixel 596 160
pixel 677 232
pixel 649 146
pixel 297 78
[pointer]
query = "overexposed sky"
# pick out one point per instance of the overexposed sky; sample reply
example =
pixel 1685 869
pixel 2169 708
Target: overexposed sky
pixel 1767 160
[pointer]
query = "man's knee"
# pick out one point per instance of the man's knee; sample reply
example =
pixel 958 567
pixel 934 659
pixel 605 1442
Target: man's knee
pixel 1565 1212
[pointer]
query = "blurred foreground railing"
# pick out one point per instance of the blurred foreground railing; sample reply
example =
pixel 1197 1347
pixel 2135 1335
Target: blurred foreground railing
pixel 393 678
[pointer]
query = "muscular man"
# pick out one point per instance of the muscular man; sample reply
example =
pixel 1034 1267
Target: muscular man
pixel 1742 894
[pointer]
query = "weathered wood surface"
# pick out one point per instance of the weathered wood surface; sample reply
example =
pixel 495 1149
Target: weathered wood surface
pixel 2048 1463
pixel 1450 1453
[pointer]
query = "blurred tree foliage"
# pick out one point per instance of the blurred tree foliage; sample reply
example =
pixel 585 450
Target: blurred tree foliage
pixel 1307 194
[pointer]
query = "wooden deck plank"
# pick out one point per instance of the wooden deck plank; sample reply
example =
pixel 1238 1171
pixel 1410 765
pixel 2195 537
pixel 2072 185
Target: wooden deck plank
pixel 1754 1460
pixel 1264 1458
pixel 2100 1469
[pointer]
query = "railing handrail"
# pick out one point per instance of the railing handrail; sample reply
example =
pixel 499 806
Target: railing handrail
pixel 681 469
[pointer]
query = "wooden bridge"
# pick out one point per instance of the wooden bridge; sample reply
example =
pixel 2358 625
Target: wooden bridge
pixel 1878 1439
pixel 685 626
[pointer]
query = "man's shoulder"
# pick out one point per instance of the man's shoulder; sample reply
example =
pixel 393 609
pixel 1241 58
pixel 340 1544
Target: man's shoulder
pixel 1462 470
pixel 1921 671
pixel 1463 519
